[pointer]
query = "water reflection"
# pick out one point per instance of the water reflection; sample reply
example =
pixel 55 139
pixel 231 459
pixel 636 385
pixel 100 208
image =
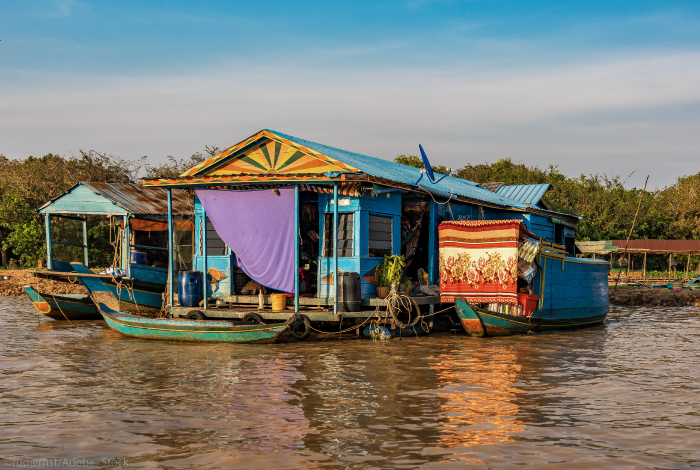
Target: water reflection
pixel 623 394
pixel 485 410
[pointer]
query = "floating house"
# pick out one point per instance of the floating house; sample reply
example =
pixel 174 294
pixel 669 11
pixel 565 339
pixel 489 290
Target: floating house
pixel 292 215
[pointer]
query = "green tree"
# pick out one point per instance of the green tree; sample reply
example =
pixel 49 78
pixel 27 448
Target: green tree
pixel 174 167
pixel 27 184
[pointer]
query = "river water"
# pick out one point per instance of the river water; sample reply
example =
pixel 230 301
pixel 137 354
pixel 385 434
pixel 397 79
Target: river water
pixel 623 395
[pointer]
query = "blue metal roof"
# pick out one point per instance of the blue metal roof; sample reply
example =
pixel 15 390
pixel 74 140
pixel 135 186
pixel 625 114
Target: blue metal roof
pixel 399 173
pixel 525 193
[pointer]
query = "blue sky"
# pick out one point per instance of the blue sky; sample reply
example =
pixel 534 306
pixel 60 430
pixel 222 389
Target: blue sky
pixel 596 86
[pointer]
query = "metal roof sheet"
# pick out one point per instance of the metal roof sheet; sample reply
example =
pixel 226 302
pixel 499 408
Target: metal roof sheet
pixel 137 199
pixel 399 173
pixel 525 193
pixel 659 246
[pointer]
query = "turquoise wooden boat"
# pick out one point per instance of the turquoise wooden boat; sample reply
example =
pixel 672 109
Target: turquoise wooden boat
pixel 64 306
pixel 144 292
pixel 573 293
pixel 170 329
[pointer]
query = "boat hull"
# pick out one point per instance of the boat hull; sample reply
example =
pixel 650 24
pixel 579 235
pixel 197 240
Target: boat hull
pixel 64 306
pixel 194 330
pixel 479 322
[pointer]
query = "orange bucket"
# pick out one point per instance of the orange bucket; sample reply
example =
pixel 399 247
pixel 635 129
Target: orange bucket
pixel 529 303
pixel 279 302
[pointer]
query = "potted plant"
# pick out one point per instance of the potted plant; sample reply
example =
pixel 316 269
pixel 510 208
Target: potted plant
pixel 388 274
pixel 407 282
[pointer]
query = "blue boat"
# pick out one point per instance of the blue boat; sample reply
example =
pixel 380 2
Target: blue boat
pixel 570 293
pixel 175 329
pixel 64 306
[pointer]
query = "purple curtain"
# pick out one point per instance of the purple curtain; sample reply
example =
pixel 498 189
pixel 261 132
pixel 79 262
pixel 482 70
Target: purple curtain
pixel 258 226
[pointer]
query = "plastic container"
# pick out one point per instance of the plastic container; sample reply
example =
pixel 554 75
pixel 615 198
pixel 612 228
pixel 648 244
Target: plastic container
pixel 529 303
pixel 138 257
pixel 279 302
pixel 349 295
pixel 190 288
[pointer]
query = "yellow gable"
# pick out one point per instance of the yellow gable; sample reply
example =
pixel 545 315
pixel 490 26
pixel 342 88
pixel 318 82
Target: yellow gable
pixel 275 157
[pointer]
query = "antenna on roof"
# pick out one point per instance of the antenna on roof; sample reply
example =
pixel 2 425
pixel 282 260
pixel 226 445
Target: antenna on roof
pixel 428 169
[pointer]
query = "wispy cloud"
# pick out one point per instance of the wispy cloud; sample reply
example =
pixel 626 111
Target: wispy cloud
pixel 56 8
pixel 613 114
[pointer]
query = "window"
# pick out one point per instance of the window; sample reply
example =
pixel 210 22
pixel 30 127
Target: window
pixel 380 236
pixel 345 235
pixel 215 245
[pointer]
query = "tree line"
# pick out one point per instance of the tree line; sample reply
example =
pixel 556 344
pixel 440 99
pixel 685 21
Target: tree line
pixel 607 206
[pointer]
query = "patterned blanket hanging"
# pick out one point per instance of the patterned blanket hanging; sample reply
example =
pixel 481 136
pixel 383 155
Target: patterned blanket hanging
pixel 479 260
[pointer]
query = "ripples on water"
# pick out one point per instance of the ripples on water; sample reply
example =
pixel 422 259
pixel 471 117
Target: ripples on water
pixel 623 395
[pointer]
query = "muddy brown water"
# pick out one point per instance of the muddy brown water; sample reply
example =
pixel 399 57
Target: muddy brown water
pixel 623 395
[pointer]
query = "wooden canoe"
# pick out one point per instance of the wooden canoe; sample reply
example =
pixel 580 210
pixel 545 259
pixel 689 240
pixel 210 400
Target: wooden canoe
pixel 480 322
pixel 172 329
pixel 64 306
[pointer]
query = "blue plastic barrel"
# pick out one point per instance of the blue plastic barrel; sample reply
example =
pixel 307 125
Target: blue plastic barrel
pixel 138 257
pixel 189 288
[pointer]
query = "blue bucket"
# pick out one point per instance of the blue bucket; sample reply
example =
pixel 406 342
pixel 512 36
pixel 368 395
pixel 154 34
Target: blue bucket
pixel 138 257
pixel 189 288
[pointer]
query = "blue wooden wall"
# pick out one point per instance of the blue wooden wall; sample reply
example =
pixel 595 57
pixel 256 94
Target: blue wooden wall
pixel 387 205
pixel 541 226
pixel 222 263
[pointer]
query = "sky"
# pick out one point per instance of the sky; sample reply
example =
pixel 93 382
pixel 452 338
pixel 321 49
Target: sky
pixel 591 86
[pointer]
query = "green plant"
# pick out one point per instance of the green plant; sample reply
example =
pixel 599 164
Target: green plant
pixel 390 270
pixel 408 282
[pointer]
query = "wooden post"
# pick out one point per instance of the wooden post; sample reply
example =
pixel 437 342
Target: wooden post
pixel 85 242
pixel 644 266
pixel 126 245
pixel 669 266
pixel 687 266
pixel 171 259
pixel 49 250
pixel 629 260
pixel 433 252
pixel 335 248
pixel 204 257
pixel 296 248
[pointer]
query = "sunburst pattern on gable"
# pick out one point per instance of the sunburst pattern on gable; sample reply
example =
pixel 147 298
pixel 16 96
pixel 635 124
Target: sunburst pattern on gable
pixel 273 157
pixel 267 153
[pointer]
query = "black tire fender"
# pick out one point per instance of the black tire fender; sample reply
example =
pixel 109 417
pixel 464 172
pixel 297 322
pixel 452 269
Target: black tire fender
pixel 252 317
pixel 307 329
pixel 195 315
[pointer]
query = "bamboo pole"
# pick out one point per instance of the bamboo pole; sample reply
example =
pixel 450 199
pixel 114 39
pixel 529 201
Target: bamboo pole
pixel 687 266
pixel 632 228
pixel 644 267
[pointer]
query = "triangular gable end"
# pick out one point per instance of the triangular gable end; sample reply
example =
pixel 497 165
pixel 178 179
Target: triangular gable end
pixel 268 153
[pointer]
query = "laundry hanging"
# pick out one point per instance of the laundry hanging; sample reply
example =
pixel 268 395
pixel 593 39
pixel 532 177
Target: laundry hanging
pixel 258 226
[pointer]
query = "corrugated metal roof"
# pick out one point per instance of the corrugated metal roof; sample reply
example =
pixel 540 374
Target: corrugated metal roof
pixel 493 186
pixel 660 246
pixel 525 193
pixel 399 173
pixel 137 199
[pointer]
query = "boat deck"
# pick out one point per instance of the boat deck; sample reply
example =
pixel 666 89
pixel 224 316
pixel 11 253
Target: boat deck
pixel 317 309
